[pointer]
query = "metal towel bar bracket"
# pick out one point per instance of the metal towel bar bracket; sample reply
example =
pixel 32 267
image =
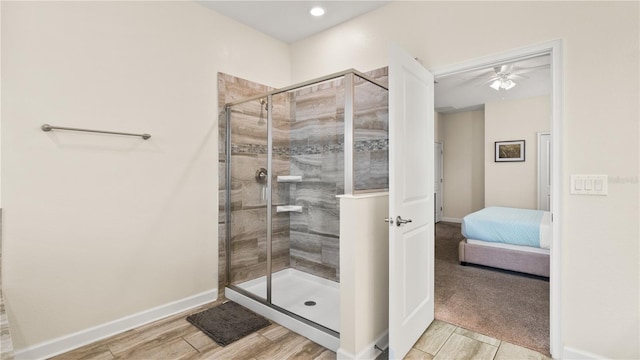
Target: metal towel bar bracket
pixel 47 127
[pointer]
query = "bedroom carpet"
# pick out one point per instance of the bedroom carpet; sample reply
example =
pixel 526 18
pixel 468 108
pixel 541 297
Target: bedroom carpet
pixel 502 305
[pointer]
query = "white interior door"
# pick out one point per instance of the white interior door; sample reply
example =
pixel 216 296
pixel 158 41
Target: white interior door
pixel 411 164
pixel 544 171
pixel 437 181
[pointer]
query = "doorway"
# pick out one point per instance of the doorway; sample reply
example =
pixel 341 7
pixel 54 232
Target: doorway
pixel 554 50
pixel 438 155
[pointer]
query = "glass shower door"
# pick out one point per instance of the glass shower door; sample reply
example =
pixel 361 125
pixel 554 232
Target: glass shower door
pixel 308 173
pixel 247 195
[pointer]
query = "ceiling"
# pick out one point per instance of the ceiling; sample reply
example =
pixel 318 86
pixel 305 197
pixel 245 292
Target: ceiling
pixel 290 21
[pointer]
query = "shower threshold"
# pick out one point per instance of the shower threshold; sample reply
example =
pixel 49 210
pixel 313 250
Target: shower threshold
pixel 307 296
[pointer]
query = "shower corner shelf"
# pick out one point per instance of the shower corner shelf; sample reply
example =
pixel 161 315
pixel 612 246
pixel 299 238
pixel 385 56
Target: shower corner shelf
pixel 289 208
pixel 289 178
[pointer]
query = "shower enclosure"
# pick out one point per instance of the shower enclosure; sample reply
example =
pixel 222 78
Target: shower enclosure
pixel 288 154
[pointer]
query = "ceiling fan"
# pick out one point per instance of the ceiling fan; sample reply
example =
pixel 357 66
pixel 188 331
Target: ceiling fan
pixel 501 77
pixel 505 74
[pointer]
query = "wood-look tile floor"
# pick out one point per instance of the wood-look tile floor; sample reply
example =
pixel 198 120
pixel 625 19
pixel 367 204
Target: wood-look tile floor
pixel 175 338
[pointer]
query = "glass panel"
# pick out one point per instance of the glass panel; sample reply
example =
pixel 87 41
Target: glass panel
pixel 248 196
pixel 308 161
pixel 371 136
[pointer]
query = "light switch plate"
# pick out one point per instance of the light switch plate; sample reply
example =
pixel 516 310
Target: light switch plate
pixel 589 184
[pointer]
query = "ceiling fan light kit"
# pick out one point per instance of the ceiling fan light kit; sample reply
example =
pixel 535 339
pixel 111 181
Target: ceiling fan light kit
pixel 502 84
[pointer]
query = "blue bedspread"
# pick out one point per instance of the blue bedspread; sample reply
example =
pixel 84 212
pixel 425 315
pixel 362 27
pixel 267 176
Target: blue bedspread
pixel 504 225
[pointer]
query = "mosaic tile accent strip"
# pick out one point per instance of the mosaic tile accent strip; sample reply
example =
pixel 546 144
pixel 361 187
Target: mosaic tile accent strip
pixel 257 149
pixel 360 146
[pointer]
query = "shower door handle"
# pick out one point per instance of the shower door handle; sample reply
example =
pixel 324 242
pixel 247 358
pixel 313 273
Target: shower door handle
pixel 400 221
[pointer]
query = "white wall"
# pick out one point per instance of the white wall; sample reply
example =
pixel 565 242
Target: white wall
pixel 364 281
pixel 463 184
pixel 514 184
pixel 99 227
pixel 600 239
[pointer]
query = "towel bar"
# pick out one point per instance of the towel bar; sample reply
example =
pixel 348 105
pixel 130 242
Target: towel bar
pixel 47 127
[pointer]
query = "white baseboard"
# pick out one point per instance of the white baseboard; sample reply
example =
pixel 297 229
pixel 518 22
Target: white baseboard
pixel 571 354
pixel 342 354
pixel 84 337
pixel 369 352
pixel 452 220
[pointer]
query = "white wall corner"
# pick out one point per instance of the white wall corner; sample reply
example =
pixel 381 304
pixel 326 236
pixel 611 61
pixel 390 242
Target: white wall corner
pixel 570 353
pixel 81 338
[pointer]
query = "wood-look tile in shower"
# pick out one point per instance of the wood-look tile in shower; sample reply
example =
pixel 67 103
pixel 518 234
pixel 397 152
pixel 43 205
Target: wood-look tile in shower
pixel 280 244
pixel 331 251
pixel 318 104
pixel 248 128
pixel 318 132
pixel 321 270
pixel 380 75
pixel 306 246
pixel 248 223
pixel 311 251
pixel 240 274
pixel 244 252
pixel 309 166
pixel 316 194
pixel 324 221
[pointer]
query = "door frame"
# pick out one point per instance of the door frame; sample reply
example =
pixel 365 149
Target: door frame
pixel 554 48
pixel 539 138
pixel 441 155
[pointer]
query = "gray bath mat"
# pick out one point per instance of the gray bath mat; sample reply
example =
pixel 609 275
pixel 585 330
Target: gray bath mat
pixel 228 322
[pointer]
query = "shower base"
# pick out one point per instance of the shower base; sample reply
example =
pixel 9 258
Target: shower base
pixel 290 290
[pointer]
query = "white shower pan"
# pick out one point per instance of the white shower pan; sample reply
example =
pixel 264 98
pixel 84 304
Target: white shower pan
pixel 309 296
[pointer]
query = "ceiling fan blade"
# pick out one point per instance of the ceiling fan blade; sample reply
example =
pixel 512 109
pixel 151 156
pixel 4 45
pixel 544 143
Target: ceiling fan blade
pixel 477 78
pixel 489 81
pixel 531 69
pixel 504 69
pixel 518 76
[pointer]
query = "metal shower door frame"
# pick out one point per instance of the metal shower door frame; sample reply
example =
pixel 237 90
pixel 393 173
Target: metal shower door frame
pixel 349 187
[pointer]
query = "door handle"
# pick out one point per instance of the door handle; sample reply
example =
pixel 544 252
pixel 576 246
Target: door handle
pixel 400 221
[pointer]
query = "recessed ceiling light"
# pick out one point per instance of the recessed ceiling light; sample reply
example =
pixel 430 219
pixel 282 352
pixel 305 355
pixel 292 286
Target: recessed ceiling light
pixel 317 11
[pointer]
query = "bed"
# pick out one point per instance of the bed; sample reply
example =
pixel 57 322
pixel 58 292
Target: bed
pixel 507 238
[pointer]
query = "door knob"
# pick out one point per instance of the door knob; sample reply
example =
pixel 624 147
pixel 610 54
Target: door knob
pixel 400 221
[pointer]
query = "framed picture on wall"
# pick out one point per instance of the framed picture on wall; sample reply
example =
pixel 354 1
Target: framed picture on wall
pixel 509 151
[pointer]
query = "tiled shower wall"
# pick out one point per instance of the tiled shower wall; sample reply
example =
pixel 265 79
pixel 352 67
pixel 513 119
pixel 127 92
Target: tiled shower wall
pixel 317 153
pixel 317 137
pixel 308 141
